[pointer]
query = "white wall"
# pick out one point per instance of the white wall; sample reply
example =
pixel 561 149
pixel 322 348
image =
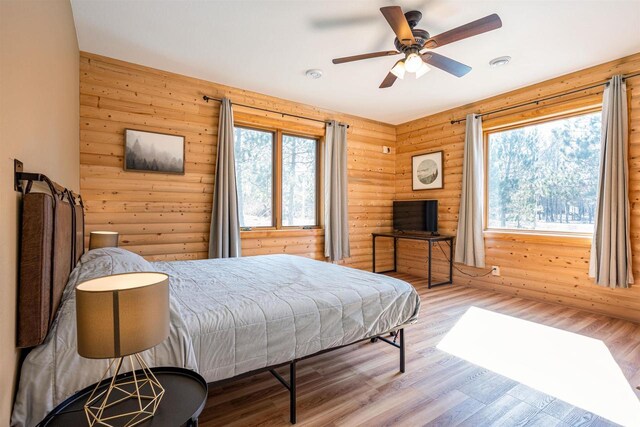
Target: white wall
pixel 39 125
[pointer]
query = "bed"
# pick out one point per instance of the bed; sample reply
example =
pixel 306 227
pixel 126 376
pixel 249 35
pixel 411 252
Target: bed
pixel 229 318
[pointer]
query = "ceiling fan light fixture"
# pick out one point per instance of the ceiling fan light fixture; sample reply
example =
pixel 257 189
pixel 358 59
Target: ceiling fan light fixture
pixel 409 41
pixel 413 62
pixel 424 69
pixel 399 69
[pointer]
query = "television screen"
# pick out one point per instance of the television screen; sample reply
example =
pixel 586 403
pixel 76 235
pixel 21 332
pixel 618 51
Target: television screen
pixel 416 215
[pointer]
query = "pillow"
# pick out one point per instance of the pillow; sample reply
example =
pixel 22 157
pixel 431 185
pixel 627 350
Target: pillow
pixel 99 263
pixel 106 261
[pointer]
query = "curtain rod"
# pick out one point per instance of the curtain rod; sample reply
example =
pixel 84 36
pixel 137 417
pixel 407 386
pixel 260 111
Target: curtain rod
pixel 624 77
pixel 211 98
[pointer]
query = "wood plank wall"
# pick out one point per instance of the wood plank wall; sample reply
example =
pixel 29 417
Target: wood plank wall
pixel 548 268
pixel 166 217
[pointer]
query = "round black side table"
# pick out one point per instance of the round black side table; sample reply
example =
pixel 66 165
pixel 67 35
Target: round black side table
pixel 185 394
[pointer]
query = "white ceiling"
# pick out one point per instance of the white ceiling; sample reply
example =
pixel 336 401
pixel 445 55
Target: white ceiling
pixel 266 46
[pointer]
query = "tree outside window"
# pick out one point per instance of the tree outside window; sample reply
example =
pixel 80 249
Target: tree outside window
pixel 544 176
pixel 265 158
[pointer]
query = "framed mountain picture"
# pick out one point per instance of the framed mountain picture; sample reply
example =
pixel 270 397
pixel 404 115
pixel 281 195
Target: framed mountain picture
pixel 153 152
pixel 426 171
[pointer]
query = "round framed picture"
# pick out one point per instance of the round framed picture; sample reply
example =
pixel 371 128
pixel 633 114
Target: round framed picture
pixel 426 171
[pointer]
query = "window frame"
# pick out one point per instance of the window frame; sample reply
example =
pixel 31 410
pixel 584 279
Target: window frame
pixel 517 124
pixel 276 180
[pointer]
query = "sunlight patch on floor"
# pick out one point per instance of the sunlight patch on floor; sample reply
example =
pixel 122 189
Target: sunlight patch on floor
pixel 571 367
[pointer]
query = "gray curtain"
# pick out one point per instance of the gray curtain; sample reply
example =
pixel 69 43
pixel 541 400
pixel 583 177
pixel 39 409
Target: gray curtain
pixel 336 216
pixel 469 239
pixel 224 237
pixel 610 262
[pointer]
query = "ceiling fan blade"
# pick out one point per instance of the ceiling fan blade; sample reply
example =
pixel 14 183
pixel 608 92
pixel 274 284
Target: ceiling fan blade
pixel 456 68
pixel 388 81
pixel 364 56
pixel 471 29
pixel 399 24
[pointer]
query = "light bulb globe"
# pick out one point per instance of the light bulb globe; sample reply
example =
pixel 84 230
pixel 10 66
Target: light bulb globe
pixel 413 62
pixel 398 69
pixel 424 69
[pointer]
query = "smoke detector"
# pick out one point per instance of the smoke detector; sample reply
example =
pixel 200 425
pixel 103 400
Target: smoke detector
pixel 501 61
pixel 313 73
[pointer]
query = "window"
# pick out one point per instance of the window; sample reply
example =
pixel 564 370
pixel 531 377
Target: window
pixel 299 182
pixel 544 176
pixel 254 176
pixel 277 177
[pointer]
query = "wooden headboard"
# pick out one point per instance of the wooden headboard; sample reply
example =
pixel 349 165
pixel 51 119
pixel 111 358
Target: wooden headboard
pixel 51 243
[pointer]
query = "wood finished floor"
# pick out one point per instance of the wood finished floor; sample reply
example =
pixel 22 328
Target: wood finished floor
pixel 361 385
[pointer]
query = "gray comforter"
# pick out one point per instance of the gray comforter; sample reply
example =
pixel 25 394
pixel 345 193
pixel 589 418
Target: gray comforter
pixel 227 317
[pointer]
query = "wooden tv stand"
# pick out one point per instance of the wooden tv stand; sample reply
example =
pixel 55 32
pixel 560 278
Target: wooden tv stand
pixel 430 239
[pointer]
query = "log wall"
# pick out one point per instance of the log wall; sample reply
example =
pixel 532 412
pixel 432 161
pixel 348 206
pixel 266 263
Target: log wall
pixel 551 268
pixel 167 217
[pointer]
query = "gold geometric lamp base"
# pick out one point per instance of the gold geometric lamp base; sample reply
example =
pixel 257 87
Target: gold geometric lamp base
pixel 140 393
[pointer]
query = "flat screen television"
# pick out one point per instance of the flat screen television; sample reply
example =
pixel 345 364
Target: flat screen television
pixel 416 216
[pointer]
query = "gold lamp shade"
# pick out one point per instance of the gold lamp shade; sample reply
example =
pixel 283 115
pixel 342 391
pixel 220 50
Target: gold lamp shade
pixel 122 314
pixel 103 239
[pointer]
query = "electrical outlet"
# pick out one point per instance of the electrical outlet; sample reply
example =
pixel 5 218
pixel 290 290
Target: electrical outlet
pixel 386 150
pixel 495 270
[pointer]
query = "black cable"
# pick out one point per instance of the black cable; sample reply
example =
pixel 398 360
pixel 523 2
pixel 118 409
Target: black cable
pixel 458 269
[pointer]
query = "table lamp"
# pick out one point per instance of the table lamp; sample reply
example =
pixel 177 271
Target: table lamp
pixel 103 239
pixel 117 317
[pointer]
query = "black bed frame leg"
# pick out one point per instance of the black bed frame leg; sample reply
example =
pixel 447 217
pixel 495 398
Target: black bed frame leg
pixel 399 345
pixel 402 350
pixel 292 392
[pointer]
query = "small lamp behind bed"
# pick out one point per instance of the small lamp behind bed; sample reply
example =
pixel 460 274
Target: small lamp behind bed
pixel 119 316
pixel 103 239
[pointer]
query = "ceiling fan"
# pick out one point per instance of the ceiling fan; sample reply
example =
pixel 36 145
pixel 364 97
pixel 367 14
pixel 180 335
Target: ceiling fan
pixel 410 41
